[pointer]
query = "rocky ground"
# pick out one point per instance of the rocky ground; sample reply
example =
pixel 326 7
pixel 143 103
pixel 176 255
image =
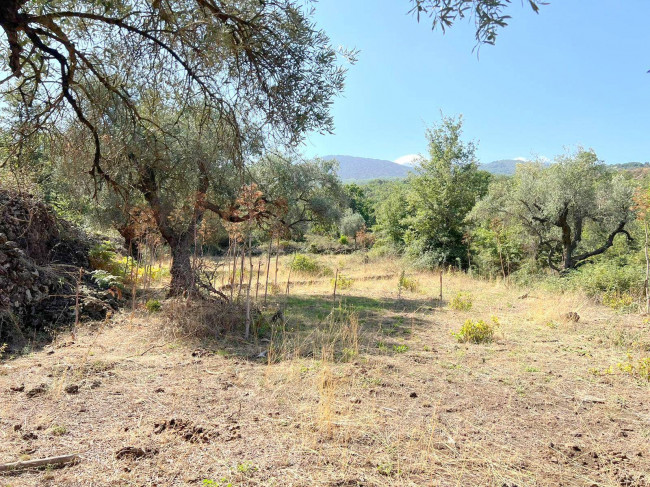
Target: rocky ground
pixel 44 272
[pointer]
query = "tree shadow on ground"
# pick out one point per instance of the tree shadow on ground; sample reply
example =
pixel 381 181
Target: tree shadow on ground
pixel 303 326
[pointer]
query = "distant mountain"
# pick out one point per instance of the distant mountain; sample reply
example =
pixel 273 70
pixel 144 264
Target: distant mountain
pixel 504 167
pixel 362 169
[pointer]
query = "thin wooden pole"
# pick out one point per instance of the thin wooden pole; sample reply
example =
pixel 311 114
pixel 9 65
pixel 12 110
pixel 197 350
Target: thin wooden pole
pixel 248 289
pixel 290 269
pixel 268 268
pixel 277 256
pixel 647 271
pixel 257 284
pixel 336 280
pixel 440 287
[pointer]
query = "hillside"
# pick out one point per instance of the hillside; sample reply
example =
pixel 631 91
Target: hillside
pixel 353 168
pixel 504 167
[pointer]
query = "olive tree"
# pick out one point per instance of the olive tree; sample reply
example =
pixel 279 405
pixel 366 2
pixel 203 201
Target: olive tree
pixel 571 210
pixel 351 224
pixel 263 68
pixel 304 192
pixel 165 99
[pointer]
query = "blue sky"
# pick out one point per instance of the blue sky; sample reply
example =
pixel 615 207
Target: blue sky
pixel 576 74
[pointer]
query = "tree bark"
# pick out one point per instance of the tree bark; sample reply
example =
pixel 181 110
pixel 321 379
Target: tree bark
pixel 183 276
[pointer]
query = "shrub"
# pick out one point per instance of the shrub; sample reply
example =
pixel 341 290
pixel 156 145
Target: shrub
pixel 305 264
pixel 106 280
pixel 153 306
pixel 343 282
pixel 102 256
pixel 406 283
pixel 343 240
pixel 618 300
pixel 461 302
pixel 477 331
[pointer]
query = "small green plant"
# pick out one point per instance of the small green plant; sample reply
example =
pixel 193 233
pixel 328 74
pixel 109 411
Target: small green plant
pixel 461 302
pixel 343 282
pixel 477 331
pixel 531 369
pixel 406 283
pixel 102 256
pixel 382 346
pixel 621 301
pixel 246 468
pixel 387 469
pixel 400 348
pixel 153 306
pixel 638 368
pixel 106 280
pixel 222 482
pixel 343 240
pixel 58 430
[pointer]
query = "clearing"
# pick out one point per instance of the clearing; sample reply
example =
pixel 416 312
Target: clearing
pixel 369 389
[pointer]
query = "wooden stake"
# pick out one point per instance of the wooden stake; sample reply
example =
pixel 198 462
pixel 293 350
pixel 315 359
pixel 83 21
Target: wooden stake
pixel 647 271
pixel 277 256
pixel 268 268
pixel 257 284
pixel 290 269
pixel 336 280
pixel 440 287
pixel 248 289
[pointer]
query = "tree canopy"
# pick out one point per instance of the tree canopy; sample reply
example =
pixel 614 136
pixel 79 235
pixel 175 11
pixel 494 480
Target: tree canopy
pixel 570 211
pixel 262 68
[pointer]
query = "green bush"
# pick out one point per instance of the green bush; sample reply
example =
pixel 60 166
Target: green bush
pixel 477 331
pixel 343 240
pixel 153 306
pixel 343 282
pixel 307 265
pixel 103 256
pixel 461 302
pixel 406 283
pixel 106 280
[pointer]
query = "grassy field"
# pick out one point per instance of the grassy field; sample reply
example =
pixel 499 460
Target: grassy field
pixel 370 388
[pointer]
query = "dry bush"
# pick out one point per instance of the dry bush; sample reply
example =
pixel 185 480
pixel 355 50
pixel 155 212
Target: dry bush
pixel 200 318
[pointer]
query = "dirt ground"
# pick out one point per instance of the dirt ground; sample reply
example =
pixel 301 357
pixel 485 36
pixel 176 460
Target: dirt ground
pixel 376 392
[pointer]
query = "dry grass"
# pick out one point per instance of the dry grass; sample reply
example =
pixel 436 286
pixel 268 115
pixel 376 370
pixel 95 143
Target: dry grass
pixel 371 389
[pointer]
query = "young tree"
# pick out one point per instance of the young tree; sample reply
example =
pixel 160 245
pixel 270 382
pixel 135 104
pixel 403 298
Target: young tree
pixel 558 206
pixel 442 193
pixel 392 212
pixel 360 203
pixel 351 224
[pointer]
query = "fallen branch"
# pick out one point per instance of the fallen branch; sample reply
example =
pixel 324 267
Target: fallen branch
pixel 42 462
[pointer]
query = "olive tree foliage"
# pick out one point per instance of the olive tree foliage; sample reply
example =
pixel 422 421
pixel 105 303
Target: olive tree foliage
pixel 305 193
pixel 570 211
pixel 444 189
pixel 488 15
pixel 262 68
pixel 161 101
pixel 351 224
